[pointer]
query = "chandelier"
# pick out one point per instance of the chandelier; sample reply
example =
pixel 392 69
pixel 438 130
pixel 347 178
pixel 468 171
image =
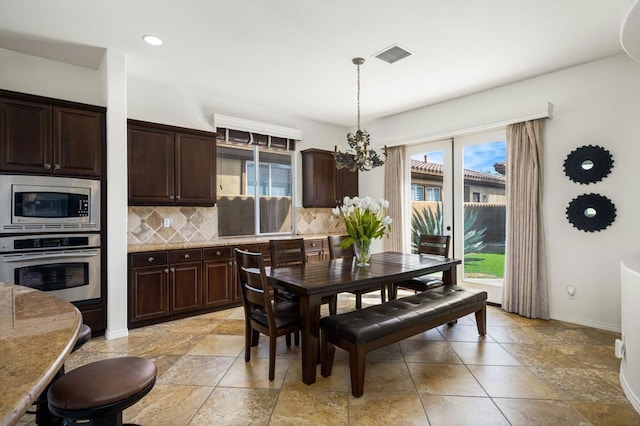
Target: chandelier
pixel 359 156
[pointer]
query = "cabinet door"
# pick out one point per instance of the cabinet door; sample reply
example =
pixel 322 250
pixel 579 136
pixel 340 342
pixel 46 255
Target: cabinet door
pixel 78 137
pixel 313 250
pixel 195 169
pixel 318 179
pixel 185 288
pixel 148 291
pixel 25 137
pixel 150 165
pixel 346 184
pixel 217 283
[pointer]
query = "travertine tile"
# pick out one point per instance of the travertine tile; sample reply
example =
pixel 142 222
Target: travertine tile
pixel 463 333
pixel 197 370
pixel 511 382
pixel 537 412
pixel 445 379
pixel 482 353
pixel 579 384
pixel 375 408
pixel 296 407
pixel 255 374
pixel 600 413
pixel 429 352
pixel 540 356
pixel 219 345
pixel 388 377
pixel 459 410
pixel 170 405
pixel 236 406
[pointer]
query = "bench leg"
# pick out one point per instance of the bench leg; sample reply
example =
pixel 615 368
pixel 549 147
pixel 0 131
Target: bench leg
pixel 357 361
pixel 481 320
pixel 327 354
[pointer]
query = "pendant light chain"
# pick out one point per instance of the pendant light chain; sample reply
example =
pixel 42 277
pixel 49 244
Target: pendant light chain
pixel 358 96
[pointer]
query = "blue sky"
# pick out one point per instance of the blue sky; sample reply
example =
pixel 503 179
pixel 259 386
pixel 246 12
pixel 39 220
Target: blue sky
pixel 479 157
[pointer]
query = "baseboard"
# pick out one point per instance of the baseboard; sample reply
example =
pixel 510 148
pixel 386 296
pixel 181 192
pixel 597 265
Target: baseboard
pixel 595 324
pixel 631 396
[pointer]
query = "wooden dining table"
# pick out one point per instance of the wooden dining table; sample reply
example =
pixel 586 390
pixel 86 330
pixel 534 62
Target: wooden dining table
pixel 314 280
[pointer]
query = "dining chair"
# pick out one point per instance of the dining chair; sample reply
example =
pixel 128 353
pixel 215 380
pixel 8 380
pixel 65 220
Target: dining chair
pixel 338 252
pixel 263 313
pixel 292 252
pixel 435 245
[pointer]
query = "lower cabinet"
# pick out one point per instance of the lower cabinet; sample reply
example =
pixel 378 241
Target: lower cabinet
pixel 164 283
pixel 171 284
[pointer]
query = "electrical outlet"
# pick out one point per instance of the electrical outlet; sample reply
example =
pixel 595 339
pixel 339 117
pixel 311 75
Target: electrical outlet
pixel 167 223
pixel 572 292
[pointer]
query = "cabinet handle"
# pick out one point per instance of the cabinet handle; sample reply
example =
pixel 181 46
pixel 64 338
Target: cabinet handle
pixel 217 253
pixel 177 197
pixel 56 166
pixel 230 263
pixel 47 166
pixel 151 259
pixel 186 256
pixel 173 270
pixel 171 197
pixel 166 271
pixel 313 244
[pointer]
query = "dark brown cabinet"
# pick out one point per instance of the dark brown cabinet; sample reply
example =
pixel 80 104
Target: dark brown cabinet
pixel 163 284
pixel 170 165
pixel 218 268
pixel 323 185
pixel 46 138
pixel 314 249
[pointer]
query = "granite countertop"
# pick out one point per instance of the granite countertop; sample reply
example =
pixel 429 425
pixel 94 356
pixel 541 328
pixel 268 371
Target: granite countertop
pixel 226 241
pixel 37 332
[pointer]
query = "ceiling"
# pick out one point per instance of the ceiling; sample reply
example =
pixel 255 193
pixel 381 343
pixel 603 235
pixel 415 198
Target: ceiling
pixel 294 56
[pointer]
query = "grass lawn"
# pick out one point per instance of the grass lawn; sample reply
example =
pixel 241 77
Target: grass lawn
pixel 484 265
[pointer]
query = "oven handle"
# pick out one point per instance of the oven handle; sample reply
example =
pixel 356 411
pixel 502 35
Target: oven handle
pixel 22 258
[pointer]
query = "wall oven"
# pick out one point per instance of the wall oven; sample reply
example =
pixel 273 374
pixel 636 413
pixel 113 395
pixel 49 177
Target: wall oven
pixel 67 265
pixel 48 204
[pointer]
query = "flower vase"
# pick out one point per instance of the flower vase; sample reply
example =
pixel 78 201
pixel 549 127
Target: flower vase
pixel 362 251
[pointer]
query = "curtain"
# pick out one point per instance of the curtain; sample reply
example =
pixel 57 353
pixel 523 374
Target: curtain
pixel 394 192
pixel 525 283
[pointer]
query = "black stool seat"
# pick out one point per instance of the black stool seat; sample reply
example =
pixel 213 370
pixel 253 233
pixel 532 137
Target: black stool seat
pixel 102 390
pixel 84 335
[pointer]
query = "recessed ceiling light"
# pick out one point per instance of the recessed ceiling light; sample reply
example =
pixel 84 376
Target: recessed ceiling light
pixel 152 40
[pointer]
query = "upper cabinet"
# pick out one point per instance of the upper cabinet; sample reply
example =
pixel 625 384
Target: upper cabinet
pixel 170 165
pixel 49 137
pixel 323 185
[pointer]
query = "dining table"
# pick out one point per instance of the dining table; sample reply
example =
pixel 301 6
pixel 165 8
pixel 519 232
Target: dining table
pixel 312 281
pixel 37 332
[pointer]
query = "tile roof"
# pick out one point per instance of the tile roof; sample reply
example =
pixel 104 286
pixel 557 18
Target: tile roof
pixel 436 169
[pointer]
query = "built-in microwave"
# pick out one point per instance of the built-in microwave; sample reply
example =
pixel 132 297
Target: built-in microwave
pixel 42 204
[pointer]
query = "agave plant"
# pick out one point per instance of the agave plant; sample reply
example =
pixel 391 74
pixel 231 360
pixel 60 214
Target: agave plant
pixel 428 221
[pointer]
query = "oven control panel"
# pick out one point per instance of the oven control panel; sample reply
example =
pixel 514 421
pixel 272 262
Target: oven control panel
pixel 42 242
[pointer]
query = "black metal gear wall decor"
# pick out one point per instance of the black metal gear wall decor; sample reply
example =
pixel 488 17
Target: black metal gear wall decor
pixel 588 164
pixel 591 212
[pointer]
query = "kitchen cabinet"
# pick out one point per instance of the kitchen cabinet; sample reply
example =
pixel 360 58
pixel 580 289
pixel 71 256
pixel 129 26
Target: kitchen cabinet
pixel 221 274
pixel 43 137
pixel 170 165
pixel 324 185
pixel 164 284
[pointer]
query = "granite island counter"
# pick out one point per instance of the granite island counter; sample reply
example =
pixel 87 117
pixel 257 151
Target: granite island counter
pixel 37 333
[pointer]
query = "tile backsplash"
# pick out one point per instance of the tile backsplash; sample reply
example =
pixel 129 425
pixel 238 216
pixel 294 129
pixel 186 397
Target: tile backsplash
pixel 200 224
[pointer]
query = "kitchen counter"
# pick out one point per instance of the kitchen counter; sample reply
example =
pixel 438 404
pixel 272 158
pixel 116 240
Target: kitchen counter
pixel 37 333
pixel 230 241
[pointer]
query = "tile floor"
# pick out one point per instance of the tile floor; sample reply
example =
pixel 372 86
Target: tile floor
pixel 524 371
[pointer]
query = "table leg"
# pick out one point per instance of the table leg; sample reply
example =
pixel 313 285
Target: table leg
pixel 310 330
pixel 450 276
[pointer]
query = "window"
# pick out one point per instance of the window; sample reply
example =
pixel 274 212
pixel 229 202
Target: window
pixel 476 197
pixel 253 201
pixel 433 194
pixel 417 192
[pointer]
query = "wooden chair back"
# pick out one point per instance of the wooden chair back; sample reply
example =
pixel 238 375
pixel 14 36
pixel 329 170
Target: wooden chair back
pixel 337 252
pixel 256 291
pixel 434 244
pixel 287 252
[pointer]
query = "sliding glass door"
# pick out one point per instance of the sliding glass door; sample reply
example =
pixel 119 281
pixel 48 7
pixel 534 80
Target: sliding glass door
pixel 458 189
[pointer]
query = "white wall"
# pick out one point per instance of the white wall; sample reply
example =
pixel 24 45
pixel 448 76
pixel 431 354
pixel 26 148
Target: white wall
pixel 596 103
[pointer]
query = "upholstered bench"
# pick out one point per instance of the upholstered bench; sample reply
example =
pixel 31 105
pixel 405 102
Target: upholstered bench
pixel 368 329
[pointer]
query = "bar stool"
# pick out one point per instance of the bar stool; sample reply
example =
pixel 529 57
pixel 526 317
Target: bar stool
pixel 101 390
pixel 43 415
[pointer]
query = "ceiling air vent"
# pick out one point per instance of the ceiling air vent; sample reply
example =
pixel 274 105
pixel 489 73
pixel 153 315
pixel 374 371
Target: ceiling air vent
pixel 393 54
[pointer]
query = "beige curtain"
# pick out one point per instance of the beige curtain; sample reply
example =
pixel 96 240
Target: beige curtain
pixel 525 283
pixel 394 192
